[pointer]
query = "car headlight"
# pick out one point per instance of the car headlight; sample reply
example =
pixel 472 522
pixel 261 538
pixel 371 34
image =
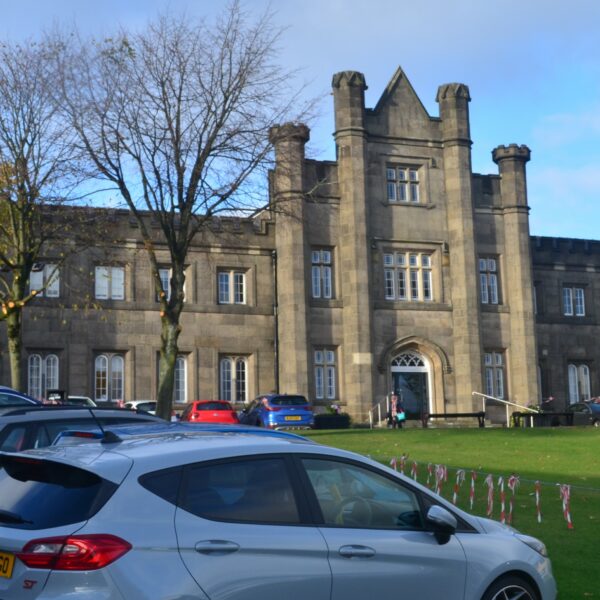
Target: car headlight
pixel 533 543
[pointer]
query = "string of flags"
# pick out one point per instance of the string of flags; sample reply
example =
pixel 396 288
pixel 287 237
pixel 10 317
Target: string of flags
pixel 437 475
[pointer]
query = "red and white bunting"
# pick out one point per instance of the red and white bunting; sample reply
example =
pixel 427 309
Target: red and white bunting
pixel 472 490
pixel 502 500
pixel 394 463
pixel 513 484
pixel 429 474
pixel 460 477
pixel 441 475
pixel 489 482
pixel 413 470
pixel 538 505
pixel 565 495
pixel 403 462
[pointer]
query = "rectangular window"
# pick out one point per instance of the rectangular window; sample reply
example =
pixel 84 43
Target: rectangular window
pixel 322 279
pixel 45 280
pixel 403 184
pixel 488 280
pixel 573 302
pixel 407 273
pixel 325 374
pixel 494 374
pixel 232 287
pixel 110 283
pixel 109 377
pixel 165 281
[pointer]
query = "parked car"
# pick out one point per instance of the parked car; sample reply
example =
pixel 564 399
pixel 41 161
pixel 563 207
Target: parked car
pixel 10 397
pixel 71 400
pixel 244 515
pixel 146 405
pixel 210 411
pixel 37 426
pixel 277 411
pixel 586 413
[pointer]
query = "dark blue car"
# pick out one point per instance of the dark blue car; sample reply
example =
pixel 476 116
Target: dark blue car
pixel 279 411
pixel 10 397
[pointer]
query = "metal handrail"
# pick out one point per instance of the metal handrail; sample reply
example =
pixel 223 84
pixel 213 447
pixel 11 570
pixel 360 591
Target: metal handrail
pixel 507 403
pixel 377 408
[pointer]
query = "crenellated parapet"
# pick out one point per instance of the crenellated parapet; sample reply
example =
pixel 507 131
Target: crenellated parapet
pixel 350 79
pixel 511 152
pixel 453 90
pixel 288 132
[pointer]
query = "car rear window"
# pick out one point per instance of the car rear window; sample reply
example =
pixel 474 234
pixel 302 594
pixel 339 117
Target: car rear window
pixel 12 400
pixel 289 401
pixel 214 406
pixel 39 494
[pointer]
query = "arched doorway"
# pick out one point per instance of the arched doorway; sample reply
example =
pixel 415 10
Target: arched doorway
pixel 410 375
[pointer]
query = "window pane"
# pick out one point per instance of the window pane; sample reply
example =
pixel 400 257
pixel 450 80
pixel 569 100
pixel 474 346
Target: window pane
pixel 491 265
pixel 573 385
pixel 489 381
pixel 568 301
pixel 484 288
pixel 240 380
pixel 499 383
pixel 391 174
pixel 579 302
pixel 224 288
pixel 413 260
pixel 319 382
pixel 388 260
pixel 326 257
pixel 116 379
pixel 101 280
pixel 118 283
pixel 51 372
pixel 52 275
pixel 179 394
pixel 255 491
pixel 427 295
pixel 414 285
pixel 36 280
pixel 425 260
pixel 400 259
pixel 584 381
pixel 402 192
pixel 165 281
pixel 316 282
pixel 482 265
pixel 493 282
pixel 239 280
pixel 34 376
pixel 316 257
pixel 414 175
pixel 101 378
pixel 391 191
pixel 402 284
pixel 330 357
pixel 318 357
pixel 330 382
pixel 414 192
pixel 389 284
pixel 225 377
pixel 327 282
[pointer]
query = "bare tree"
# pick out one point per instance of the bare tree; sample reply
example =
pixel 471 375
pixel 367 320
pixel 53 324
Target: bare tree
pixel 176 117
pixel 37 174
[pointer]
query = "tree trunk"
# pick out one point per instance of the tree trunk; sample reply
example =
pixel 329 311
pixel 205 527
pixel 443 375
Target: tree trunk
pixel 13 322
pixel 168 357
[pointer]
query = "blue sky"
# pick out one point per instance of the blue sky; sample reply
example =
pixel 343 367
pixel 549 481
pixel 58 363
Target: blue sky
pixel 532 66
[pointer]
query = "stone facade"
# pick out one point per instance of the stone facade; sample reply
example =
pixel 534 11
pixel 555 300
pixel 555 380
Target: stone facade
pixel 392 269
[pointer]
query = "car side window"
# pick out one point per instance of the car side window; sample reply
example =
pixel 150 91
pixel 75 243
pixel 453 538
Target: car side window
pixel 12 400
pixel 12 438
pixel 251 491
pixel 164 483
pixel 353 496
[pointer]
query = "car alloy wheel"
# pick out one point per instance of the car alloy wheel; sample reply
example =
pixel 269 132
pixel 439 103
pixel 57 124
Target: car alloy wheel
pixel 510 588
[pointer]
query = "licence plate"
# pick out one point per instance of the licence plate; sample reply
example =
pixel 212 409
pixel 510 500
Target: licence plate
pixel 293 418
pixel 7 562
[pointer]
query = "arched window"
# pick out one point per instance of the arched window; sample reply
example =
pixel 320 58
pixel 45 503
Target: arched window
pixel 179 392
pixel 101 378
pixel 34 376
pixel 579 383
pixel 116 377
pixel 408 359
pixel 51 373
pixel 233 379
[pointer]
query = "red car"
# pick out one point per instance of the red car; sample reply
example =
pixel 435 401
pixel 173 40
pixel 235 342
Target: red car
pixel 209 411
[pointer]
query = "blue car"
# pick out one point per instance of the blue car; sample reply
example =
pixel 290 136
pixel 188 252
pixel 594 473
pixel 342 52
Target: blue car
pixel 279 411
pixel 12 398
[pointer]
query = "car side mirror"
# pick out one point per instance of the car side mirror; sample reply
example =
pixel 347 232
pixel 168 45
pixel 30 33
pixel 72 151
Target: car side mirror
pixel 443 523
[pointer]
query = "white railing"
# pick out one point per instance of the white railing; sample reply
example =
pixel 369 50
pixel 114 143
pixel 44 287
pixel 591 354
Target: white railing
pixel 507 404
pixel 375 413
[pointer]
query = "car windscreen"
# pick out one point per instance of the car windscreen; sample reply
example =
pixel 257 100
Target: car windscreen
pixel 39 494
pixel 214 406
pixel 289 401
pixel 13 400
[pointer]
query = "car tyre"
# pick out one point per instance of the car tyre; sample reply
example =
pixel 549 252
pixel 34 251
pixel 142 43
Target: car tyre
pixel 510 587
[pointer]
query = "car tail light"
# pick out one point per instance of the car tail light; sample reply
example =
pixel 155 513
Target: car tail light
pixel 73 553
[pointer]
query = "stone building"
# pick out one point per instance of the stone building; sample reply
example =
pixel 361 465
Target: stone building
pixel 394 269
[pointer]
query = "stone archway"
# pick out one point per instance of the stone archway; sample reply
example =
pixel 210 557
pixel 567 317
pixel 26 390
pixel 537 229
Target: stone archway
pixel 410 373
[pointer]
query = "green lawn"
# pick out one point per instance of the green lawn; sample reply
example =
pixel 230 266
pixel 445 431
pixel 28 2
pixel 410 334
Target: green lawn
pixel 549 455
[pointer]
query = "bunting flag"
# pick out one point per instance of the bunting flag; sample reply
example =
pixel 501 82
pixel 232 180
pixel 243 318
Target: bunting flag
pixel 429 473
pixel 441 475
pixel 472 490
pixel 489 482
pixel 403 462
pixel 538 506
pixel 460 477
pixel 565 495
pixel 394 463
pixel 513 484
pixel 502 500
pixel 413 470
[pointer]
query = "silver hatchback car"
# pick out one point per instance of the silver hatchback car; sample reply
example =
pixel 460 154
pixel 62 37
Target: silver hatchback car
pixel 238 514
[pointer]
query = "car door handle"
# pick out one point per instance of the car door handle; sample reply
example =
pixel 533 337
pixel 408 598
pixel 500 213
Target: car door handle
pixel 216 547
pixel 355 551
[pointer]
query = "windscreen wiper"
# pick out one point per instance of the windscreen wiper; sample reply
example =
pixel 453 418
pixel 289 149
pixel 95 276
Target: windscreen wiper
pixel 9 517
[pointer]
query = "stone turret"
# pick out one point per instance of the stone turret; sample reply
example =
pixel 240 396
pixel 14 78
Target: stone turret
pixel 353 252
pixel 288 203
pixel 454 101
pixel 511 161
